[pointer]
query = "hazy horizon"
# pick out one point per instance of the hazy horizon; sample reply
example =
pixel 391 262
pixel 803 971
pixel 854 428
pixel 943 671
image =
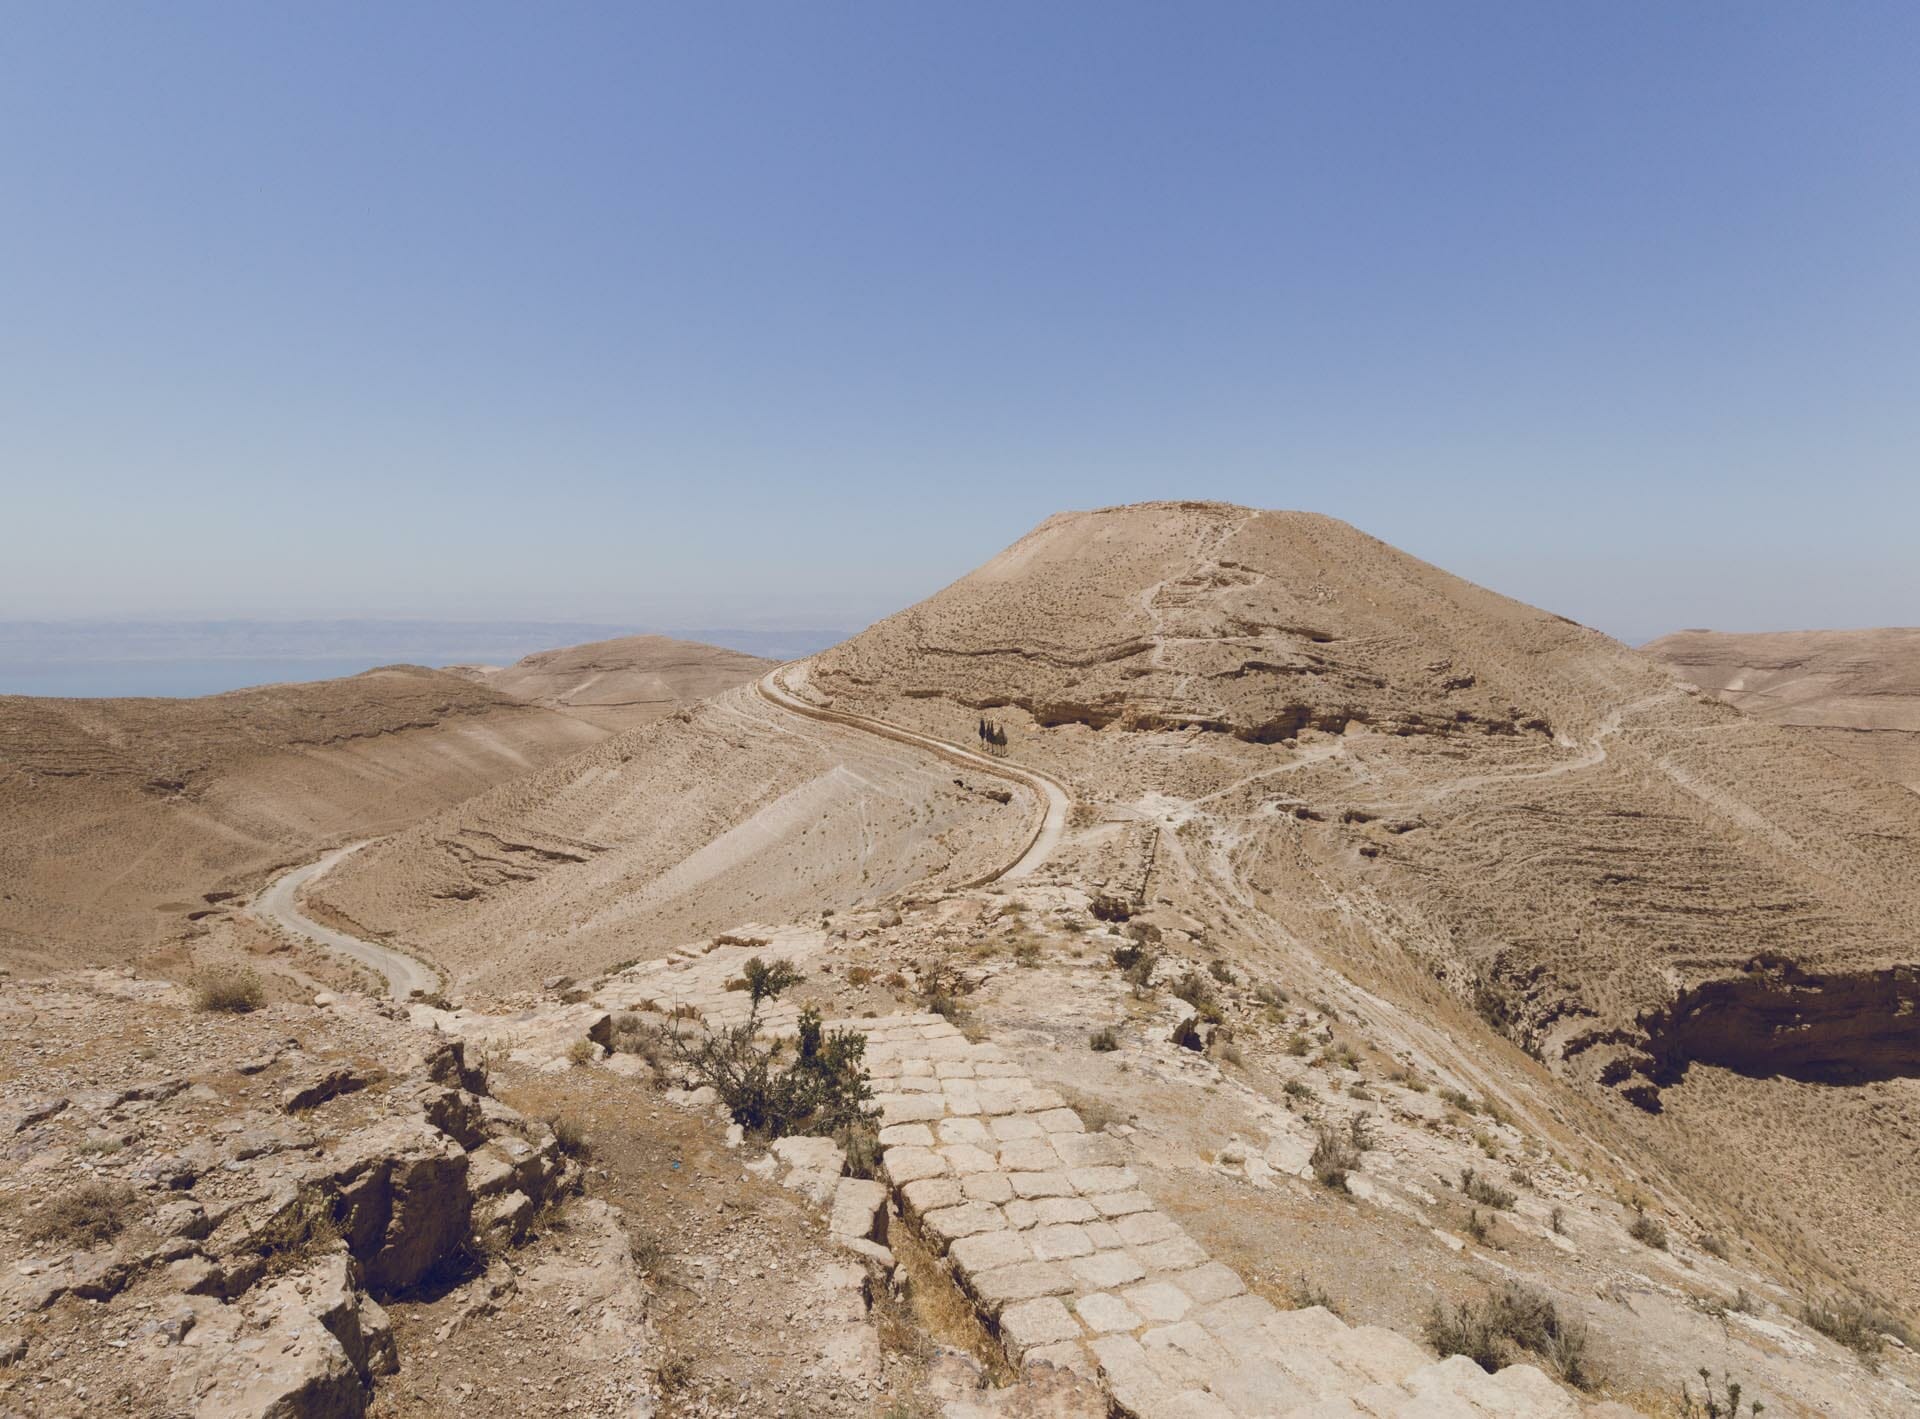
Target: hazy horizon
pixel 695 316
pixel 107 657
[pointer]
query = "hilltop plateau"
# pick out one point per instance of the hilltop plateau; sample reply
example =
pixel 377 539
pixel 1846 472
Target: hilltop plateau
pixel 623 682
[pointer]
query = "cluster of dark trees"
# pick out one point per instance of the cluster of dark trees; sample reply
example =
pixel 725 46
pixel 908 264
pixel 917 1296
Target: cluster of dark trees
pixel 992 736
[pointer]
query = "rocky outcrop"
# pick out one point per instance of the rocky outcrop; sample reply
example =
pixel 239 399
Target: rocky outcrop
pixel 1775 1018
pixel 306 1347
pixel 272 1244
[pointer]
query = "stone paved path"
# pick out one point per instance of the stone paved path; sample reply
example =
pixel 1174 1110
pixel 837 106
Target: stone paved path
pixel 1049 1235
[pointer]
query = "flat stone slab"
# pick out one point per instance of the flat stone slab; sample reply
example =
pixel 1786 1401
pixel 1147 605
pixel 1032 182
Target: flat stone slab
pixel 1041 1321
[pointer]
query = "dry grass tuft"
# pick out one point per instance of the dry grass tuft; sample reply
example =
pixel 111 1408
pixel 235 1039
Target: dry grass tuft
pixel 84 1216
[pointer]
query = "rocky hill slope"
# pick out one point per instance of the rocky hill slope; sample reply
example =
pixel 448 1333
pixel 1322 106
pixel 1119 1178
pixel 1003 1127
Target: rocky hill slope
pixel 1853 693
pixel 1303 736
pixel 125 822
pixel 623 682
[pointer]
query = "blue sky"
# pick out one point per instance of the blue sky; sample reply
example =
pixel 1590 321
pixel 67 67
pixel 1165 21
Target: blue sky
pixel 791 313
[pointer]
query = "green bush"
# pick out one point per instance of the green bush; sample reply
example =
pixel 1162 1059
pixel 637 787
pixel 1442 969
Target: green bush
pixel 821 1090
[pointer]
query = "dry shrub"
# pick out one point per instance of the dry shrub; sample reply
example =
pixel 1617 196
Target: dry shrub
pixel 1334 1156
pixel 84 1216
pixel 303 1229
pixel 1648 1231
pixel 1514 1318
pixel 1486 1193
pixel 860 1142
pixel 232 993
pixel 1306 1294
pixel 570 1134
pixel 1860 1327
pixel 1104 1040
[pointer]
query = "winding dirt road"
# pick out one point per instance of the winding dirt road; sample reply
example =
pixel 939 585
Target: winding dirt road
pixel 1052 797
pixel 280 904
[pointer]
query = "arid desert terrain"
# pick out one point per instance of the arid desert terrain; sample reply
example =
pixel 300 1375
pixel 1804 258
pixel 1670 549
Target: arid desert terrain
pixel 1204 962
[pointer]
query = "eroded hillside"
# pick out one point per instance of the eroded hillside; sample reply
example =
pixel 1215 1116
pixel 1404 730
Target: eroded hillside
pixel 125 822
pixel 1852 693
pixel 1310 739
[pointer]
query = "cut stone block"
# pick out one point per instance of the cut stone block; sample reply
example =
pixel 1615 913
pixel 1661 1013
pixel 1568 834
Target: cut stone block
pixel 965 1130
pixel 1524 1392
pixel 1020 1282
pixel 909 1108
pixel 930 1195
pixel 1088 1150
pixel 1041 1184
pixel 1062 1355
pixel 1061 1121
pixel 905 1165
pixel 1015 1126
pixel 1131 1377
pixel 1041 1321
pixel 1255 1385
pixel 1178 1254
pixel 1383 1355
pixel 986 1251
pixel 1103 1312
pixel 965 1158
pixel 913 1135
pixel 1211 1282
pixel 950 1224
pixel 1238 1315
pixel 1159 1301
pixel 1107 1269
pixel 1309 1328
pixel 1144 1228
pixel 860 1209
pixel 1053 1210
pixel 1105 1235
pixel 1029 1155
pixel 987 1187
pixel 1059 1242
pixel 1121 1204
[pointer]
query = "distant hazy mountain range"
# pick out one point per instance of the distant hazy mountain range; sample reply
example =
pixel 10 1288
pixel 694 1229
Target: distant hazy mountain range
pixel 100 657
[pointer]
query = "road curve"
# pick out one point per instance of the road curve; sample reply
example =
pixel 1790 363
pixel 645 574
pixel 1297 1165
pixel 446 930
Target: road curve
pixel 1053 798
pixel 279 903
